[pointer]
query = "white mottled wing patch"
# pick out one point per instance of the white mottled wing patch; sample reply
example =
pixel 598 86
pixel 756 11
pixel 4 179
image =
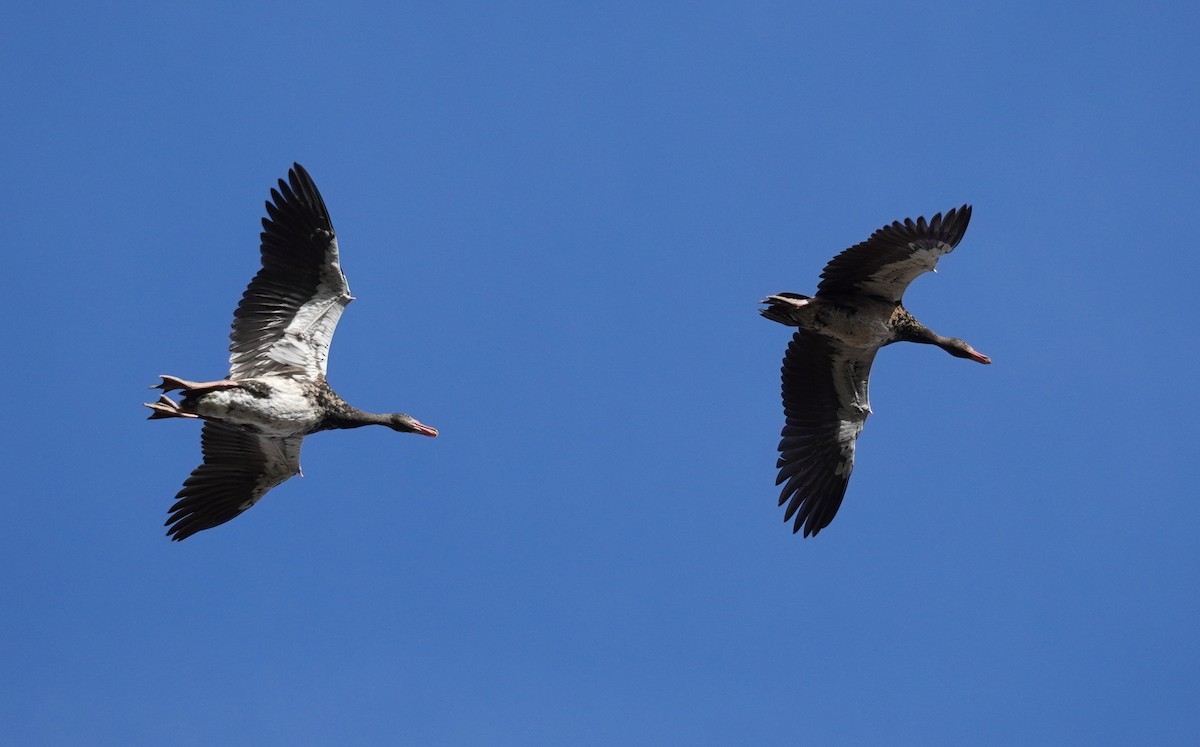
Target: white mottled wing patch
pixel 304 344
pixel 850 379
pixel 288 314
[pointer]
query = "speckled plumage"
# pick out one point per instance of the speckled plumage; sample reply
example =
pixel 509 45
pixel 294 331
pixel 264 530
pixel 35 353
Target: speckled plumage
pixel 276 392
pixel 825 375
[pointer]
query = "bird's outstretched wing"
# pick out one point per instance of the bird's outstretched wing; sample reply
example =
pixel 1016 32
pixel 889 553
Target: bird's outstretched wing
pixel 825 402
pixel 884 265
pixel 286 318
pixel 239 468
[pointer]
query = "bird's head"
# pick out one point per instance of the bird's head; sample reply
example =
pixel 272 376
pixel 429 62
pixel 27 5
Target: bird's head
pixel 960 349
pixel 398 421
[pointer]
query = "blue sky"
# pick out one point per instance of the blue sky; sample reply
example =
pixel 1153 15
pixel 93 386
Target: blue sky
pixel 558 219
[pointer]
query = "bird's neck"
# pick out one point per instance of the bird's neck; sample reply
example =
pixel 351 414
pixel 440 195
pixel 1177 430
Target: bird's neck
pixel 917 332
pixel 352 417
pixel 908 329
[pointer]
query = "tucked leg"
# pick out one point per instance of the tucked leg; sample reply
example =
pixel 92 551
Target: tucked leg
pixel 171 383
pixel 165 407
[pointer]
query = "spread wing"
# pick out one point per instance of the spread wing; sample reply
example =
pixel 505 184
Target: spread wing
pixel 239 468
pixel 825 403
pixel 286 318
pixel 894 256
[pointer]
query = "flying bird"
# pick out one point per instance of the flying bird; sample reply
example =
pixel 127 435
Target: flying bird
pixel 276 393
pixel 857 310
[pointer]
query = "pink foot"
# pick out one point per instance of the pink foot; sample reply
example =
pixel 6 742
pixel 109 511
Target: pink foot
pixel 167 408
pixel 171 383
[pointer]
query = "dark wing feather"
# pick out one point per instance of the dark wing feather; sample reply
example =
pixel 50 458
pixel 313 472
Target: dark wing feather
pixel 894 256
pixel 239 468
pixel 825 403
pixel 286 318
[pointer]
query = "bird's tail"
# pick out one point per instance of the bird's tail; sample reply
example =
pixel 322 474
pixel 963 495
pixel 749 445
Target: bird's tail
pixel 782 307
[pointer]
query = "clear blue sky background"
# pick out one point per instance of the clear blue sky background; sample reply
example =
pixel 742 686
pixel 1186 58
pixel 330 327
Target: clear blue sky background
pixel 558 219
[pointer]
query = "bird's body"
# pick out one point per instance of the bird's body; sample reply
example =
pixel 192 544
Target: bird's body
pixel 276 392
pixel 268 406
pixel 856 311
pixel 866 324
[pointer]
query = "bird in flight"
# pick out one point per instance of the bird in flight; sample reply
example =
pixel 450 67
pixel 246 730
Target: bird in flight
pixel 256 418
pixel 857 310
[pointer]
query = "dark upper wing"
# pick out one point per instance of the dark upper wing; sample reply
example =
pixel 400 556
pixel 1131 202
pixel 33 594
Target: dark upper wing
pixel 886 263
pixel 239 468
pixel 287 315
pixel 825 402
